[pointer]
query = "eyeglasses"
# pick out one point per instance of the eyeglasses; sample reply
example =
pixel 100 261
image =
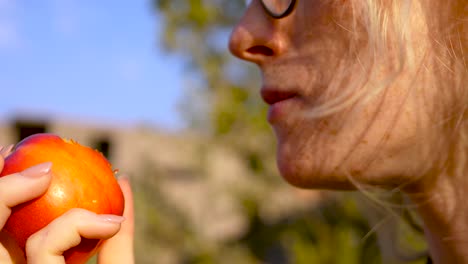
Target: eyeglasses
pixel 278 8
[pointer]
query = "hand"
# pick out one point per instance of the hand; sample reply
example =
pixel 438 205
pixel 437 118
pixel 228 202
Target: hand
pixel 65 232
pixel 119 249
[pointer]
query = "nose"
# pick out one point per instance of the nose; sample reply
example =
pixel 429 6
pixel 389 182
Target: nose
pixel 256 38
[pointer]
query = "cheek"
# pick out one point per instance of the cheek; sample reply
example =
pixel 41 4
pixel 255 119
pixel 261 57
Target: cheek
pixel 380 144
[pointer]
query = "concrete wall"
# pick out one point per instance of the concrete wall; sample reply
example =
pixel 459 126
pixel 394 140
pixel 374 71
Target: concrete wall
pixel 199 178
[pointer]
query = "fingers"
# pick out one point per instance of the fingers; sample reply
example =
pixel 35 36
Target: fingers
pixel 21 187
pixel 15 189
pixel 65 232
pixel 119 249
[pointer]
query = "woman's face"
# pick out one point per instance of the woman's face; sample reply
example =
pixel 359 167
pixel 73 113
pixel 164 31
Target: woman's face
pixel 375 141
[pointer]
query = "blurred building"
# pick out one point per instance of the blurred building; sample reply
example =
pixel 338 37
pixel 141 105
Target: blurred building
pixel 126 147
pixel 200 179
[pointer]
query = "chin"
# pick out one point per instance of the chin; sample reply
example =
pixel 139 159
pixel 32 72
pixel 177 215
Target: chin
pixel 301 172
pixel 324 166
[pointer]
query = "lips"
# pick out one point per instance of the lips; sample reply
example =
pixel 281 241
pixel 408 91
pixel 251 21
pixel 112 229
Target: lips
pixel 281 103
pixel 273 96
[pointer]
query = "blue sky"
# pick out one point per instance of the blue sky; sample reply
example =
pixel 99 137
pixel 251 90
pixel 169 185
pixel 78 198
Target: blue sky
pixel 87 60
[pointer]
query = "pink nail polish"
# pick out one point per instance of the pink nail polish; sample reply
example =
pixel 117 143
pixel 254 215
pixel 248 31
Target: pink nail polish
pixel 37 170
pixel 108 218
pixel 9 148
pixel 5 151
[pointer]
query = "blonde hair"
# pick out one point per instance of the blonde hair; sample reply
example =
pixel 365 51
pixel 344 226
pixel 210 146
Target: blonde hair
pixel 383 37
pixel 381 30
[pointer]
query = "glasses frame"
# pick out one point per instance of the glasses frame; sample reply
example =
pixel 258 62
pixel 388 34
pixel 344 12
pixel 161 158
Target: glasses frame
pixel 279 15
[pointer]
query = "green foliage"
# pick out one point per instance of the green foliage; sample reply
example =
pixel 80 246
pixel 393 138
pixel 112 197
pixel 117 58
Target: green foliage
pixel 198 30
pixel 313 236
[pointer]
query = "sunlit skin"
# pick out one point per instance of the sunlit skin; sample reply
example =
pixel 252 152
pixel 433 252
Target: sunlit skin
pixel 298 55
pixel 392 139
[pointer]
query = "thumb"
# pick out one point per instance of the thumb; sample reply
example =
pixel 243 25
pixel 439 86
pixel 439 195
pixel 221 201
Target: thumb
pixel 119 248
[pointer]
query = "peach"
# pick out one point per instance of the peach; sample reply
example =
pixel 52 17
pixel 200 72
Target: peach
pixel 81 178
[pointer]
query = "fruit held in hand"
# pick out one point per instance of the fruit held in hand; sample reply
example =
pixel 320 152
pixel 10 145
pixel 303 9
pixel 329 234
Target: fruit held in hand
pixel 81 178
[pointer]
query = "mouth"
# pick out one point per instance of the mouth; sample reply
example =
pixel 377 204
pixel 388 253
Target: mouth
pixel 281 103
pixel 273 96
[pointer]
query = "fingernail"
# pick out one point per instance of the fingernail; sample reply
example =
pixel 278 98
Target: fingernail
pixel 37 170
pixel 7 149
pixel 4 151
pixel 122 176
pixel 115 219
pixel 10 148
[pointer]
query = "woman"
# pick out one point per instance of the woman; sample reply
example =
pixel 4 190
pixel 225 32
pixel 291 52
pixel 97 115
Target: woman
pixel 48 244
pixel 369 93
